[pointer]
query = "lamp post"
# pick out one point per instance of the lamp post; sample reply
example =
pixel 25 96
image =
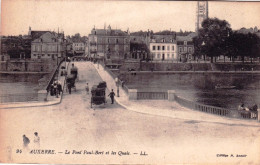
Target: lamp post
pixel 117 84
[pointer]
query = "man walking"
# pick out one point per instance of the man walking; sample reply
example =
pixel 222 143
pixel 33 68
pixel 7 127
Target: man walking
pixel 112 95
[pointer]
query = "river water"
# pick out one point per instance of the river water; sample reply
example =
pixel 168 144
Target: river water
pixel 201 87
pixel 19 87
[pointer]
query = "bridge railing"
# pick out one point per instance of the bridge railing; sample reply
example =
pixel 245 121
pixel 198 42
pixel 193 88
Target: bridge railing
pixel 54 76
pixel 216 110
pixel 152 95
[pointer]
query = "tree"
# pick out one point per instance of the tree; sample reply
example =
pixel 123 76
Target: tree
pixel 243 45
pixel 214 35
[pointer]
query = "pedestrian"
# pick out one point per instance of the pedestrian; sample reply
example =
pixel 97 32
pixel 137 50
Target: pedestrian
pixel 59 87
pixel 26 141
pixel 55 87
pixel 112 95
pixel 69 85
pixel 87 88
pixel 36 140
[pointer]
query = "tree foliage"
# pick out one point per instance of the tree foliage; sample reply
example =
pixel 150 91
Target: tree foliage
pixel 216 38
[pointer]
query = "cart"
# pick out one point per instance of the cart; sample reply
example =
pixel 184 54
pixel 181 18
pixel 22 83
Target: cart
pixel 98 94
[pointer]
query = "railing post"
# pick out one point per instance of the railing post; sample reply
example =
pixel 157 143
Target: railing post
pixel 132 94
pixel 258 114
pixel 171 95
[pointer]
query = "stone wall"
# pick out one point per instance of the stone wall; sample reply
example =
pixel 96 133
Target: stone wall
pixel 27 66
pixel 148 66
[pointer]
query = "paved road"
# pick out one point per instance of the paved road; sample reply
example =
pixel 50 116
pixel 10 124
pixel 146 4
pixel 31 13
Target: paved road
pixel 73 125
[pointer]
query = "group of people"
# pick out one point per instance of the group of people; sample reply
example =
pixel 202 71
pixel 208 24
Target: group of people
pixel 26 141
pixel 242 107
pixel 56 89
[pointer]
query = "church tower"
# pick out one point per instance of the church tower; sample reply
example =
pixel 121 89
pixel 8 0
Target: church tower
pixel 202 13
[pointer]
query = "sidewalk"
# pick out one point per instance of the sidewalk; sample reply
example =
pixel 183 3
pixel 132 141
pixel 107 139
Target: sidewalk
pixel 51 100
pixel 163 107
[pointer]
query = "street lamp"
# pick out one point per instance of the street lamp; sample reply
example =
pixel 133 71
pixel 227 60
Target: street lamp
pixel 117 84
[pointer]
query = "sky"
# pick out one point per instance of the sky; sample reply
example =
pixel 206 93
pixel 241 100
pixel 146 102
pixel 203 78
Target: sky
pixel 80 16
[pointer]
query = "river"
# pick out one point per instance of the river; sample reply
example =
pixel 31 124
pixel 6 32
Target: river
pixel 19 87
pixel 201 87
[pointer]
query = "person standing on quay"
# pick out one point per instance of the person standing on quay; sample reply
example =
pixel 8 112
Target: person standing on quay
pixel 36 140
pixel 87 88
pixel 26 141
pixel 112 95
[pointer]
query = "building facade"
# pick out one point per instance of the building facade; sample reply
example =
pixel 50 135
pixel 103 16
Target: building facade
pixel 78 48
pixel 50 45
pixel 163 48
pixel 109 44
pixel 185 47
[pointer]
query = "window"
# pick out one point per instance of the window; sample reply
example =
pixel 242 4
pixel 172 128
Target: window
pixel 154 47
pixel 168 47
pixel 168 55
pixel 48 54
pixel 185 42
pixel 172 55
pixel 180 49
pixel 117 41
pixel 172 47
pixel 163 40
pixel 190 50
pixel 158 47
pixel 185 49
pixel 162 47
pixel 108 40
pixel 158 55
pixel 43 55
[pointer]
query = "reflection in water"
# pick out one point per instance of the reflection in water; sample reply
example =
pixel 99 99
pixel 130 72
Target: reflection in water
pixel 201 87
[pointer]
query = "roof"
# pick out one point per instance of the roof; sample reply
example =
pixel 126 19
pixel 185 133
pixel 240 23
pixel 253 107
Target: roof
pixel 108 32
pixel 46 37
pixel 163 38
pixel 37 34
pixel 184 38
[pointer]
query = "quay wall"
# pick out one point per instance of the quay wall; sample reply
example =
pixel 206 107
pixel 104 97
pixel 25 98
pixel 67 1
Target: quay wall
pixel 28 66
pixel 170 66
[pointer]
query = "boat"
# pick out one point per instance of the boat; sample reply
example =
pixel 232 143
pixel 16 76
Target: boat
pixel 225 86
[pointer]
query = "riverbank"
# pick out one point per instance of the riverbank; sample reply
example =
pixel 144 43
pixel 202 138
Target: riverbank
pixel 18 72
pixel 194 66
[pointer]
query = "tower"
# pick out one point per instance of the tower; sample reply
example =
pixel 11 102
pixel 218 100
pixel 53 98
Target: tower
pixel 202 13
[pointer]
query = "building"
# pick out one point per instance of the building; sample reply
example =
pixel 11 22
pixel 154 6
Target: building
pixel 139 49
pixel 163 47
pixel 202 13
pixel 49 45
pixel 185 47
pixel 78 48
pixel 109 44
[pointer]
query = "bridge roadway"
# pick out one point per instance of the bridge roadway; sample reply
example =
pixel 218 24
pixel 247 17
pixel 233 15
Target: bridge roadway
pixel 73 125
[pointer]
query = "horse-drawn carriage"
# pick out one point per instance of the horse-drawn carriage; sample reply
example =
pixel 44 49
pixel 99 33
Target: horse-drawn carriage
pixel 71 78
pixel 98 94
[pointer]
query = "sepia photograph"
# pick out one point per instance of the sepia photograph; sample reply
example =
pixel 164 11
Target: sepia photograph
pixel 129 82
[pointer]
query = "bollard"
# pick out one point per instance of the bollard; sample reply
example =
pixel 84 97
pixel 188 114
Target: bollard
pixel 258 115
pixel 132 94
pixel 171 95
